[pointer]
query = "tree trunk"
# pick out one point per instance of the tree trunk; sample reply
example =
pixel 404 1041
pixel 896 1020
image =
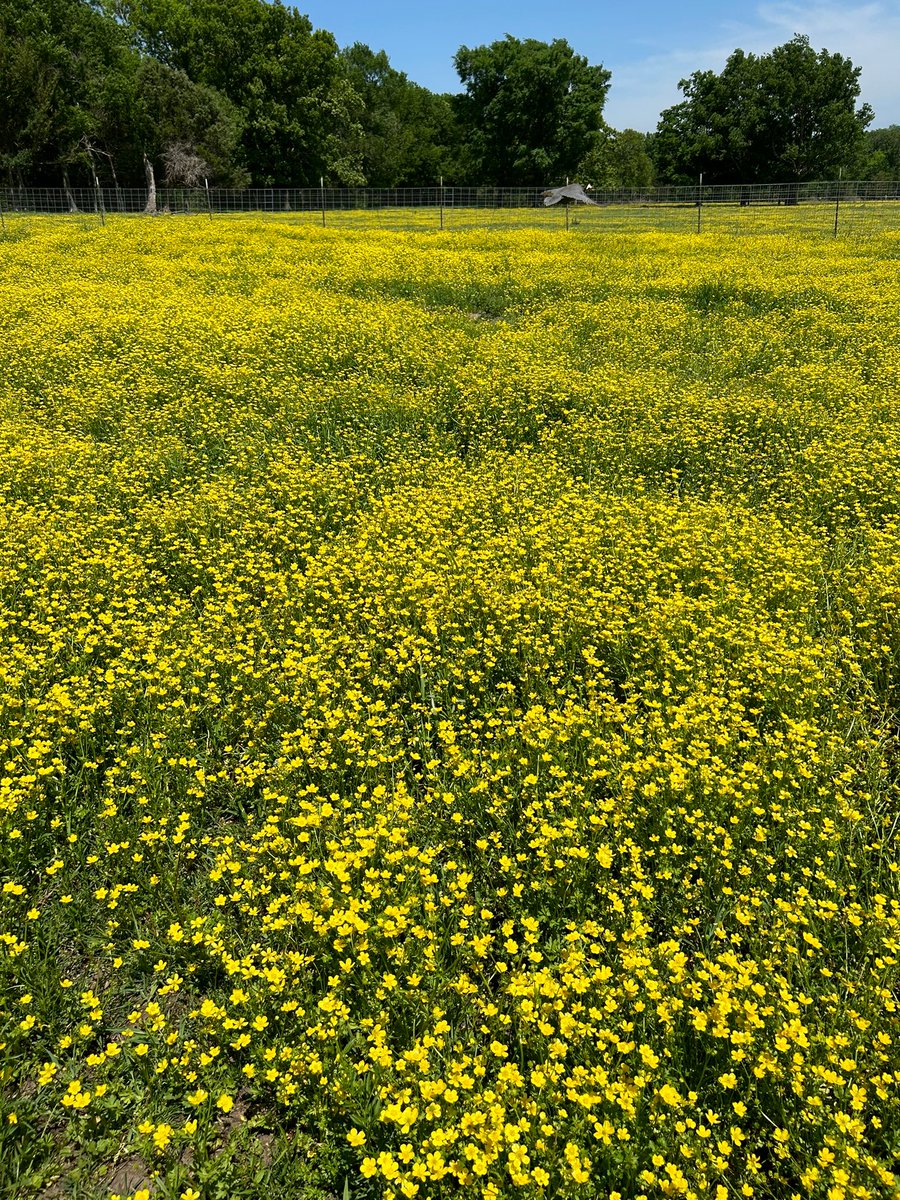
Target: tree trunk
pixel 150 206
pixel 70 197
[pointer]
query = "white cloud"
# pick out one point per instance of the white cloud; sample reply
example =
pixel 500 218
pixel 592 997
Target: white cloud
pixel 868 33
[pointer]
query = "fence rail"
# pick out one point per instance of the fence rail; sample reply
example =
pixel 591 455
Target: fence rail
pixel 446 205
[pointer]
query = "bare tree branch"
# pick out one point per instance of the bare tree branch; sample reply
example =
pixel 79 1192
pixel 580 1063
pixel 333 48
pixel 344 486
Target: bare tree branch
pixel 183 165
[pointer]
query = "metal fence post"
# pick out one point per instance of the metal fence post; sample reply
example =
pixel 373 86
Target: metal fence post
pixel 322 194
pixel 837 202
pixel 2 217
pixel 441 198
pixel 100 207
pixel 699 201
pixel 208 197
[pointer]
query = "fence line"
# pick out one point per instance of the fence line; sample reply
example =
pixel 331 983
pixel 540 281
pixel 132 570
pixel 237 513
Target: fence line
pixel 466 206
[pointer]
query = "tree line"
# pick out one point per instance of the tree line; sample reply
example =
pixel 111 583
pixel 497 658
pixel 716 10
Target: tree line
pixel 239 92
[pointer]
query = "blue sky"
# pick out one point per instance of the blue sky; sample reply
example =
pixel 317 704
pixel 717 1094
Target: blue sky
pixel 648 46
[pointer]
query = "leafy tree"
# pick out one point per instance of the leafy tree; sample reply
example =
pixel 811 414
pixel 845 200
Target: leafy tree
pixel 408 133
pixel 28 68
pixel 298 110
pixel 787 115
pixel 66 74
pixel 530 109
pixel 172 111
pixel 882 154
pixel 617 159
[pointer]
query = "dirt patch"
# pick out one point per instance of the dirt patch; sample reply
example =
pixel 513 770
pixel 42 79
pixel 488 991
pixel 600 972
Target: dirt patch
pixel 128 1175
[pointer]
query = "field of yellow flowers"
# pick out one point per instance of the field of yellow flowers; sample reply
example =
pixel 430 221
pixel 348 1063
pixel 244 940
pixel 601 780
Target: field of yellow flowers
pixel 448 714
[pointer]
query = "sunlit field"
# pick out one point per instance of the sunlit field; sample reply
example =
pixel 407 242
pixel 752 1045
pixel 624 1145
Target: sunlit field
pixel 851 217
pixel 854 218
pixel 448 711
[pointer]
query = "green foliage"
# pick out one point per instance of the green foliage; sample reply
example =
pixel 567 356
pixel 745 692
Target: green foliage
pixel 617 159
pixel 299 113
pixel 173 110
pixel 252 89
pixel 787 115
pixel 65 74
pixel 530 109
pixel 79 95
pixel 882 154
pixel 408 133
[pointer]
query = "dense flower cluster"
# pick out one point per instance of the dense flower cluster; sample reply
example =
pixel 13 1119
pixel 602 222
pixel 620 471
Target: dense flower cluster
pixel 448 703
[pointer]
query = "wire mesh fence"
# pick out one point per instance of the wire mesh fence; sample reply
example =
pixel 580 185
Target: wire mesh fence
pixel 836 206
